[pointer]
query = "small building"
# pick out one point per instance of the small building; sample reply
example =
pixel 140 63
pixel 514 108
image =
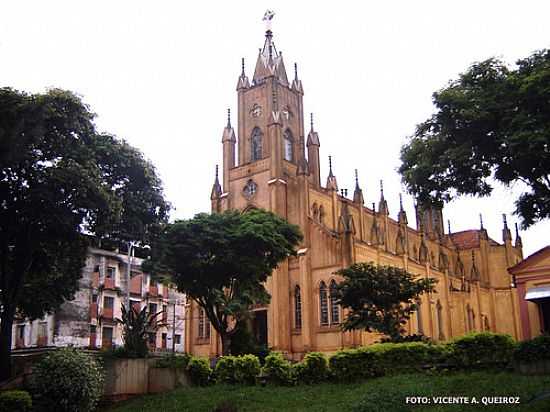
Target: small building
pixel 532 279
pixel 89 320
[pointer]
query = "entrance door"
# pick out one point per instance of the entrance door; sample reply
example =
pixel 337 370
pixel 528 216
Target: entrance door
pixel 544 306
pixel 259 325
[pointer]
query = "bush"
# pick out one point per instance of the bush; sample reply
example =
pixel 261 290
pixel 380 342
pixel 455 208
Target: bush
pixel 353 364
pixel 484 349
pixel 174 361
pixel 407 339
pixel 313 369
pixel 390 358
pixel 278 370
pixel 15 401
pixel 199 371
pixel 247 368
pixel 225 370
pixel 533 350
pixel 67 380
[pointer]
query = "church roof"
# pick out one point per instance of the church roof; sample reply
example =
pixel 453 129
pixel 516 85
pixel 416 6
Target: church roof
pixel 468 239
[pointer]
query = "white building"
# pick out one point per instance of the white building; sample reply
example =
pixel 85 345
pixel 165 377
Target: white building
pixel 89 320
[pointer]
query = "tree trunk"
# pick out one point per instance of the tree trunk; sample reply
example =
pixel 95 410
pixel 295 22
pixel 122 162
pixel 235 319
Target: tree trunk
pixel 6 323
pixel 226 344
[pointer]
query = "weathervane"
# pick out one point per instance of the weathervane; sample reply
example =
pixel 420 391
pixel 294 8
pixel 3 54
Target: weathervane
pixel 268 16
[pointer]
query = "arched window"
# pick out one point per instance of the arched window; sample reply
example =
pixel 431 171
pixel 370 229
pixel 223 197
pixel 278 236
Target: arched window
pixel 315 211
pixel 289 142
pixel 470 317
pixel 334 307
pixel 201 323
pixel 439 320
pixel 323 303
pixel 419 322
pixel 297 308
pixel 321 214
pixel 256 152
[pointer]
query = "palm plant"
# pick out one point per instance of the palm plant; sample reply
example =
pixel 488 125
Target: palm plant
pixel 137 324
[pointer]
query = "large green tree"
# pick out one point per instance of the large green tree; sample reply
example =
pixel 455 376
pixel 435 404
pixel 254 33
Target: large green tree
pixel 379 298
pixel 60 182
pixel 222 261
pixel 491 124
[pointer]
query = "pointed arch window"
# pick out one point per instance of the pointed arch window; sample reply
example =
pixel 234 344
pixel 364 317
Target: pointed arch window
pixel 334 306
pixel 297 308
pixel 323 303
pixel 256 144
pixel 289 145
pixel 204 325
pixel 321 214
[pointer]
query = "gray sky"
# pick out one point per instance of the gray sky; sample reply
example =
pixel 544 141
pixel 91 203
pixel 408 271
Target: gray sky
pixel 161 75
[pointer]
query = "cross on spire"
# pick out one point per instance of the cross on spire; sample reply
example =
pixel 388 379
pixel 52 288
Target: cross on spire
pixel 228 122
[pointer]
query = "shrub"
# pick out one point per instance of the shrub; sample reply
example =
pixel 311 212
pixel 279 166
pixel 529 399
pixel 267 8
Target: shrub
pixel 313 369
pixel 225 370
pixel 247 368
pixel 199 371
pixel 15 401
pixel 353 364
pixel 174 361
pixel 67 380
pixel 407 339
pixel 392 358
pixel 533 350
pixel 481 349
pixel 278 370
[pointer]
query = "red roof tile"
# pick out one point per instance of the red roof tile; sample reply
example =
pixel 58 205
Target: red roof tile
pixel 468 239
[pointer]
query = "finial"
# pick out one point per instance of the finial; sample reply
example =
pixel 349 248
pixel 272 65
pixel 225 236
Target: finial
pixel 330 165
pixel 400 202
pixel 268 16
pixel 216 172
pixel 449 225
pixel 311 121
pixel 242 67
pixel 345 192
pixel 517 230
pixel 228 118
pixel 296 71
pixel 342 192
pixel 381 187
pixel 373 207
pixel 481 221
pixel 356 179
pixel 504 220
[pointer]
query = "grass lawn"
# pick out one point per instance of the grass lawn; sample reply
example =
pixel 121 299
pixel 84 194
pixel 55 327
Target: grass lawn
pixel 385 394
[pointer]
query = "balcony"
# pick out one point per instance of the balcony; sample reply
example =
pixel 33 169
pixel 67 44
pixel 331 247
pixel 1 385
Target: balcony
pixel 153 291
pixel 109 283
pixel 93 311
pixel 42 341
pixel 107 313
pixel 135 285
pixel 95 280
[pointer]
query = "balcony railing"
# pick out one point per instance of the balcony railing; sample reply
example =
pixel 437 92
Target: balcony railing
pixel 19 343
pixel 93 311
pixel 135 285
pixel 107 313
pixel 95 279
pixel 42 341
pixel 109 283
pixel 153 290
pixel 106 343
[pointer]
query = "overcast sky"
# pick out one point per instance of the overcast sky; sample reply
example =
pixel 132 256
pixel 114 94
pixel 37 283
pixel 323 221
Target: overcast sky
pixel 161 74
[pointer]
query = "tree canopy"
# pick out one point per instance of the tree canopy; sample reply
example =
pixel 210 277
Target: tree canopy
pixel 491 124
pixel 379 298
pixel 61 181
pixel 222 261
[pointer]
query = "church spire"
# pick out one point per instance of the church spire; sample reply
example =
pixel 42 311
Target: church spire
pixel 331 179
pixel 243 82
pixel 297 83
pixel 228 132
pixel 216 187
pixel 357 193
pixel 270 61
pixel 402 216
pixel 382 204
pixel 519 242
pixel 506 235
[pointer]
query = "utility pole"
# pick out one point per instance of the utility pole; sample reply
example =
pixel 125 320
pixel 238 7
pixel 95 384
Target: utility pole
pixel 174 329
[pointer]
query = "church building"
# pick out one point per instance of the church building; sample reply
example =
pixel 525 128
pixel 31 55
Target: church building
pixel 271 161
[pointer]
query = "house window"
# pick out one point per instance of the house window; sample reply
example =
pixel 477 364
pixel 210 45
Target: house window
pixel 21 332
pixel 152 308
pixel 297 308
pixel 334 307
pixel 152 339
pixel 107 337
pixel 323 303
pixel 289 142
pixel 177 339
pixel 108 302
pixel 93 329
pixel 256 144
pixel 110 272
pixel 201 323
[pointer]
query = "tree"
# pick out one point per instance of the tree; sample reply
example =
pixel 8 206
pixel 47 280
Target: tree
pixel 136 325
pixel 60 183
pixel 379 298
pixel 493 122
pixel 222 261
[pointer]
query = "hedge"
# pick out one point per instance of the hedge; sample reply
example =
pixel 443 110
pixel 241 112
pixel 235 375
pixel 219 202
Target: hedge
pixel 237 369
pixel 199 371
pixel 533 350
pixel 484 349
pixel 15 401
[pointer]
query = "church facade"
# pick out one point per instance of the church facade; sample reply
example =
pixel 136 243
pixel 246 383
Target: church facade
pixel 271 161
